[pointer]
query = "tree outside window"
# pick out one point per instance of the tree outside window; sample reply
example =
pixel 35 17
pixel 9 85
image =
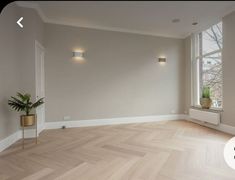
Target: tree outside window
pixel 209 49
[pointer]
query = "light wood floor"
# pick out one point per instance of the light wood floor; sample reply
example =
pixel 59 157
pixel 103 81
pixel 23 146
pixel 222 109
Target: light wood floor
pixel 174 150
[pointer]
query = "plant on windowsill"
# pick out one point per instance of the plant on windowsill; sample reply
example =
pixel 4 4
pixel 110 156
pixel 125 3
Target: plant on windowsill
pixel 205 100
pixel 23 103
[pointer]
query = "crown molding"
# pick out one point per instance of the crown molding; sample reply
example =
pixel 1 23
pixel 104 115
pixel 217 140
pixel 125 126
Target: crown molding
pixel 34 6
pixel 103 28
pixel 45 19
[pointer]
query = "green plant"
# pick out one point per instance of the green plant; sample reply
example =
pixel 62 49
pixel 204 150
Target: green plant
pixel 23 103
pixel 206 93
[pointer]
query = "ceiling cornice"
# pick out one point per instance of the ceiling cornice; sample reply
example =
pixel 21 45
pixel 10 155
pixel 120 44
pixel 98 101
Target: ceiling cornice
pixel 33 5
pixel 45 19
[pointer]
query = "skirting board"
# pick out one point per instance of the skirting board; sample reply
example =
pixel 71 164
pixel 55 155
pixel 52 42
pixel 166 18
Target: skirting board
pixel 112 121
pixel 221 127
pixel 29 133
pixel 5 143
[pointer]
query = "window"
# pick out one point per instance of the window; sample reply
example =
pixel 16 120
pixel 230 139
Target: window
pixel 207 64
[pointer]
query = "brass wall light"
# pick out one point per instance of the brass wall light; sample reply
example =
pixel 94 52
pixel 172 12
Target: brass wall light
pixel 78 55
pixel 161 59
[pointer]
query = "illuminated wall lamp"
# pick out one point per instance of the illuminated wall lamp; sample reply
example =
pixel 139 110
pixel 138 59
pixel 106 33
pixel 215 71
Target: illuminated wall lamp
pixel 161 60
pixel 78 55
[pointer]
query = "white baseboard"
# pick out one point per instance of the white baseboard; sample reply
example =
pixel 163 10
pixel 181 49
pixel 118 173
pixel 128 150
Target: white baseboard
pixel 29 133
pixel 221 127
pixel 8 141
pixel 111 121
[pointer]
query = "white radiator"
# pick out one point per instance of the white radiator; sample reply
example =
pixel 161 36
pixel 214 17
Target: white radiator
pixel 212 117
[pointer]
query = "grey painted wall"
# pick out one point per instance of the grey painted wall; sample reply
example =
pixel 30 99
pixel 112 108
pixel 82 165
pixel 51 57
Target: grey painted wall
pixel 17 57
pixel 229 69
pixel 119 77
pixel 33 30
pixel 9 68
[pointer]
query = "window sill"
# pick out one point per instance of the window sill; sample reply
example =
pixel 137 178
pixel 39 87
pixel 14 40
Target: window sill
pixel 218 110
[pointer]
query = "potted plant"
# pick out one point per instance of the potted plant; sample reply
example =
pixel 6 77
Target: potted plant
pixel 205 100
pixel 23 103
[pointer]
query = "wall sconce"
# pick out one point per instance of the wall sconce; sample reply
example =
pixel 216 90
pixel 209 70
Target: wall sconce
pixel 161 59
pixel 78 55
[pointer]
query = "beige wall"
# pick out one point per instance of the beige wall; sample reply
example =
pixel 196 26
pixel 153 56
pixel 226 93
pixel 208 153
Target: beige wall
pixel 33 30
pixel 229 69
pixel 17 58
pixel 120 76
pixel 9 68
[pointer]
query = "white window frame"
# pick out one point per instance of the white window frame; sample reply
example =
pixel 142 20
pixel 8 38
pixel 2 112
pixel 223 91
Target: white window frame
pixel 195 74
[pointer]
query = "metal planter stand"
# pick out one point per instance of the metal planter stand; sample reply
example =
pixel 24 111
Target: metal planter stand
pixel 23 131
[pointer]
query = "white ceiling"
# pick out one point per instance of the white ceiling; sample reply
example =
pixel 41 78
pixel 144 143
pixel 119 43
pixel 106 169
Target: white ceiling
pixel 143 17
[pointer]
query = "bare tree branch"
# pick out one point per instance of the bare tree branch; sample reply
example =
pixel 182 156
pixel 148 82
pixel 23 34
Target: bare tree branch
pixel 212 65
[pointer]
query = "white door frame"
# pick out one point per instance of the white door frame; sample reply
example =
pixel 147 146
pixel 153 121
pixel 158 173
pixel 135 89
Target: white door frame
pixel 41 125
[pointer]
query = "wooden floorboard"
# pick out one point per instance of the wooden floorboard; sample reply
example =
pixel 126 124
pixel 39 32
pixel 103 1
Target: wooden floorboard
pixel 167 150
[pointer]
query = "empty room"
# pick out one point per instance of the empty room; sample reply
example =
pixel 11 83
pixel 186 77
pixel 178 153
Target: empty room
pixel 117 90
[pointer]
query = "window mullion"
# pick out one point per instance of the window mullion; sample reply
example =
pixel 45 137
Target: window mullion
pixel 200 66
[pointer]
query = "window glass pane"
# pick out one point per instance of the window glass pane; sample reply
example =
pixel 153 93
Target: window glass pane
pixel 212 39
pixel 212 77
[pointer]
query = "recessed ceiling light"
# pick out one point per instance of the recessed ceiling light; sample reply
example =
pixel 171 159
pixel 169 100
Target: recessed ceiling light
pixel 195 23
pixel 175 20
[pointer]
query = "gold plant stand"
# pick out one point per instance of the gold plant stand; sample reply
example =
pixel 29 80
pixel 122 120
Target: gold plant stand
pixel 23 125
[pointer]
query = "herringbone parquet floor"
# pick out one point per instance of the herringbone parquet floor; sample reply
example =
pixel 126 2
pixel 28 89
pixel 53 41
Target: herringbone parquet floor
pixel 174 150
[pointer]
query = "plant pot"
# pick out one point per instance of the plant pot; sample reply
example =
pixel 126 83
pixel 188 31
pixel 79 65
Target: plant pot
pixel 205 103
pixel 27 120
